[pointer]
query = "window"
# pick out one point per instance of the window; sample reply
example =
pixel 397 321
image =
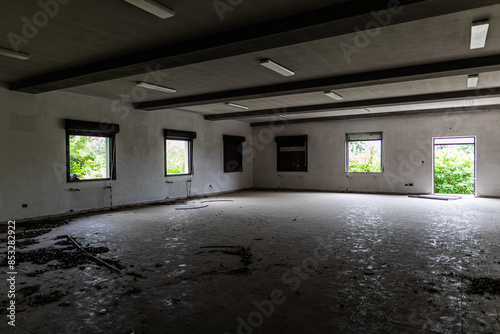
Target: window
pixel 364 152
pixel 233 157
pixel 292 153
pixel 90 150
pixel 178 152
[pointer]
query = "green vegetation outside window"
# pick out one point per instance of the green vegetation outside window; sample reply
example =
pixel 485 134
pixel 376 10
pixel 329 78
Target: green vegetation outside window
pixel 90 150
pixel 364 152
pixel 178 152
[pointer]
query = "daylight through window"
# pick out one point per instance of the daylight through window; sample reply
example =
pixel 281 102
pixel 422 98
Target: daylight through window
pixel 179 152
pixel 364 152
pixel 90 150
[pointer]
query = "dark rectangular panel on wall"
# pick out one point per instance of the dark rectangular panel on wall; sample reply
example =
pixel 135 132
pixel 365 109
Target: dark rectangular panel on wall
pixel 291 153
pixel 233 153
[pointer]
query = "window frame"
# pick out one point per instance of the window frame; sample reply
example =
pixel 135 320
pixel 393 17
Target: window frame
pixel 187 136
pixel 365 136
pixel 239 140
pixel 291 141
pixel 92 129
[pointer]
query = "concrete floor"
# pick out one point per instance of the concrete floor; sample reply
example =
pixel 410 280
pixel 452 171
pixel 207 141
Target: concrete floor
pixel 320 263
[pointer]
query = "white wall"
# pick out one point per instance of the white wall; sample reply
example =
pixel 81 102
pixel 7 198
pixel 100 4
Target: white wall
pixel 33 156
pixel 407 153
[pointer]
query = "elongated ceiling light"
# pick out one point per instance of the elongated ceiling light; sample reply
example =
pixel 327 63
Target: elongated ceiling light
pixel 276 67
pixel 472 80
pixel 479 32
pixel 234 105
pixel 334 96
pixel 14 54
pixel 155 87
pixel 153 7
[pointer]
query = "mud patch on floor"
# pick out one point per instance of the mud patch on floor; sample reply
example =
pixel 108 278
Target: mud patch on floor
pixel 244 252
pixel 26 242
pixel 29 290
pixel 61 258
pixel 39 300
pixel 30 230
pixel 482 285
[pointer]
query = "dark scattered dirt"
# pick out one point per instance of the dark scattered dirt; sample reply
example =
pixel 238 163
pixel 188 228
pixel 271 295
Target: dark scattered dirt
pixel 29 230
pixel 64 243
pixel 39 300
pixel 244 252
pixel 134 291
pixel 67 257
pixel 31 233
pixel 482 285
pixel 26 242
pixel 46 224
pixel 29 290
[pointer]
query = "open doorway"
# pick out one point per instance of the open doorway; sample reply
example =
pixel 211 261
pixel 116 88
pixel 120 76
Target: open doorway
pixel 455 165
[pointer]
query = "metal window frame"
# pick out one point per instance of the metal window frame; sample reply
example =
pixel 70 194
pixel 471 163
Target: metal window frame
pixel 364 136
pixel 92 129
pixel 179 135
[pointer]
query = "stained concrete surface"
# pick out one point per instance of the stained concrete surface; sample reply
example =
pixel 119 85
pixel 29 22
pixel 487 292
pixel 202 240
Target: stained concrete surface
pixel 270 262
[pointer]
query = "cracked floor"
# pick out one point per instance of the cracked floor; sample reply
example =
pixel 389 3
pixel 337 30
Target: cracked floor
pixel 267 262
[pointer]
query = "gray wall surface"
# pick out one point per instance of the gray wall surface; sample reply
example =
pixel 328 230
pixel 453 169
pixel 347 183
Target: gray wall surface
pixel 33 163
pixel 407 153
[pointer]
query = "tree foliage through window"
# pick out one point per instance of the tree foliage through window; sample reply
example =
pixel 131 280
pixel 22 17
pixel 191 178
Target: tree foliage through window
pixel 365 156
pixel 454 169
pixel 88 157
pixel 177 157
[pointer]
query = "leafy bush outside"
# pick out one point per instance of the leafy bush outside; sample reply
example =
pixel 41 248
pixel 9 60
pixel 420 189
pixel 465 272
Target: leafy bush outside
pixel 176 157
pixel 88 157
pixel 454 169
pixel 365 156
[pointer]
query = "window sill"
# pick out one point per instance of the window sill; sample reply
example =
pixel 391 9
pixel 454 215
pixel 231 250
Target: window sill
pixel 364 173
pixel 89 180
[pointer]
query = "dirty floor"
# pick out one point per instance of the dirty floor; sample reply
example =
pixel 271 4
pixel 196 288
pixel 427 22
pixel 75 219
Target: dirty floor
pixel 263 262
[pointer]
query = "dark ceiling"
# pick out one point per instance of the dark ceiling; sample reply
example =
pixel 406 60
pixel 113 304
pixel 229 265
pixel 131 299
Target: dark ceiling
pixel 380 57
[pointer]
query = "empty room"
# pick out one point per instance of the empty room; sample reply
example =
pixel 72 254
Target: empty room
pixel 240 167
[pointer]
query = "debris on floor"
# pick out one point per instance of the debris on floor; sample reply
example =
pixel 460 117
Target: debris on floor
pixel 482 285
pixel 244 252
pixel 192 207
pixel 437 197
pixel 92 256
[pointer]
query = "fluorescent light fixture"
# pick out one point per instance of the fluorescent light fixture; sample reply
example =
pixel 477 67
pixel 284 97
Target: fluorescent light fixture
pixel 14 54
pixel 155 87
pixel 276 67
pixel 153 7
pixel 234 105
pixel 479 32
pixel 472 80
pixel 333 95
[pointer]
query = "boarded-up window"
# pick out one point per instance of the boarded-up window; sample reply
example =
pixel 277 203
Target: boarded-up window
pixel 291 153
pixel 233 157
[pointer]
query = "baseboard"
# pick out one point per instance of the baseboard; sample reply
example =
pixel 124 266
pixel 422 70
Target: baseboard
pixel 337 191
pixel 73 214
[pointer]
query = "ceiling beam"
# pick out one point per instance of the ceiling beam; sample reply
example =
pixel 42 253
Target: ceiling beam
pixel 373 103
pixel 388 76
pixel 442 111
pixel 322 23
